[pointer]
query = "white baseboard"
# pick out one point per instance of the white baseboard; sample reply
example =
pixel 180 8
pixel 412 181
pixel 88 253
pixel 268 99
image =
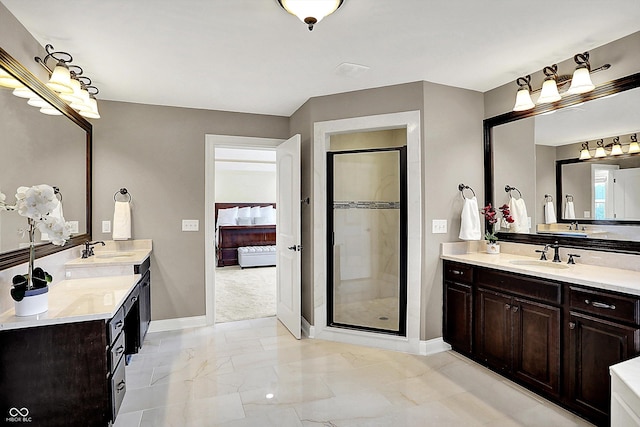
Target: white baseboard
pixel 178 323
pixel 308 330
pixel 432 346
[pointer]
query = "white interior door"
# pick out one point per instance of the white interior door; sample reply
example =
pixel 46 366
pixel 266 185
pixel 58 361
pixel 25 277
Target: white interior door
pixel 627 193
pixel 288 243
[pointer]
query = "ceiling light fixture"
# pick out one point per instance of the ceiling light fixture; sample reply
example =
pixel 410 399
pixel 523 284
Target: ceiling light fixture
pixel 310 11
pixel 549 93
pixel 68 81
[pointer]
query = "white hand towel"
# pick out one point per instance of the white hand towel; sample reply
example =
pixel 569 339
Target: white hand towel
pixel 569 210
pixel 121 221
pixel 519 214
pixel 549 213
pixel 470 220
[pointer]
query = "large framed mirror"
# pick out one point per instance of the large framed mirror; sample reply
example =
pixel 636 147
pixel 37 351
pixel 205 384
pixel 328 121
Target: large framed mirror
pixel 538 151
pixel 36 149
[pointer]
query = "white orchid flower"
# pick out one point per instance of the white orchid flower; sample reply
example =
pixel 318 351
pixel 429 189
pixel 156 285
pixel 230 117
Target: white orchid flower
pixel 58 230
pixel 36 202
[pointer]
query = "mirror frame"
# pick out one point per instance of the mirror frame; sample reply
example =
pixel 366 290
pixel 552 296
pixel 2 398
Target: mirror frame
pixel 17 70
pixel 615 86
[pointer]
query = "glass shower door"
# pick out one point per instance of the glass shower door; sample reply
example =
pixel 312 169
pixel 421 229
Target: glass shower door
pixel 367 240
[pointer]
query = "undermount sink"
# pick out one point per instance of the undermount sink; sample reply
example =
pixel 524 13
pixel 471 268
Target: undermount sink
pixel 536 263
pixel 113 254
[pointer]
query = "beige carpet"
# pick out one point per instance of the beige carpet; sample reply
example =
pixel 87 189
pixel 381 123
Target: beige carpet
pixel 248 293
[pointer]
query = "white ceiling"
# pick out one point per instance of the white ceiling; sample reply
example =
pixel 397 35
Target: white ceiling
pixel 252 56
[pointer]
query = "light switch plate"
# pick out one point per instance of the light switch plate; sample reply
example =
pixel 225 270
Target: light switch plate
pixel 190 225
pixel 106 226
pixel 439 226
pixel 73 227
pixel 587 214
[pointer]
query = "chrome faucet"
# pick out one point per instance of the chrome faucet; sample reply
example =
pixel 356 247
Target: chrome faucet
pixel 556 254
pixel 88 248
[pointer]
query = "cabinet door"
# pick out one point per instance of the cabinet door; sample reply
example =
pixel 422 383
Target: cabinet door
pixel 457 316
pixel 536 358
pixel 595 345
pixel 493 329
pixel 145 305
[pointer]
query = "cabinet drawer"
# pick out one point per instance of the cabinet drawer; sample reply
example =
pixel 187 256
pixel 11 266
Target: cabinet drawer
pixel 118 388
pixel 605 304
pixel 116 352
pixel 115 325
pixel 521 285
pixel 458 272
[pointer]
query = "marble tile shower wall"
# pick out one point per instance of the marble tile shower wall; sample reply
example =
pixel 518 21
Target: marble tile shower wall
pixel 53 264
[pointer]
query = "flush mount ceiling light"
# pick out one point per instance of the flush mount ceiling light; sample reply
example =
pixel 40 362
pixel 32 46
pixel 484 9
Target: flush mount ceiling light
pixel 549 93
pixel 310 11
pixel 68 81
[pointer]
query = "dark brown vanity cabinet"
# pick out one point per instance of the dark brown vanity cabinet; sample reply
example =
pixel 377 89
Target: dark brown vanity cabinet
pixel 555 338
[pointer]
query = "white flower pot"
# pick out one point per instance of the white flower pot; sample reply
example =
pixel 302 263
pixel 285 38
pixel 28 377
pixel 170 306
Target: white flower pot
pixel 493 248
pixel 35 301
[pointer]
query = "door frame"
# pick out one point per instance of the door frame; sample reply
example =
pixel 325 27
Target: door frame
pixel 409 120
pixel 211 143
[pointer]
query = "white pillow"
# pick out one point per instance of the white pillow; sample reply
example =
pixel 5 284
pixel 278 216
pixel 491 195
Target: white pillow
pixel 244 212
pixel 255 212
pixel 261 220
pixel 266 211
pixel 244 221
pixel 227 216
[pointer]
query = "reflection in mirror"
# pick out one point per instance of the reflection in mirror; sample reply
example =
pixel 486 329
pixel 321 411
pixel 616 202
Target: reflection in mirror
pixel 525 149
pixel 39 148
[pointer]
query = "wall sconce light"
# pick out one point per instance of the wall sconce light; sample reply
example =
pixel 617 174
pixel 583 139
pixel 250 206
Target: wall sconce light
pixel 580 83
pixel 523 96
pixel 634 147
pixel 581 80
pixel 67 80
pixel 616 148
pixel 7 80
pixel 310 11
pixel 584 153
pixel 549 92
pixel 600 149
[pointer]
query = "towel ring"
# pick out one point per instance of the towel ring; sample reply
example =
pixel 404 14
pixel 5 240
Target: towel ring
pixel 509 189
pixel 569 197
pixel 548 198
pixel 463 187
pixel 124 192
pixel 57 193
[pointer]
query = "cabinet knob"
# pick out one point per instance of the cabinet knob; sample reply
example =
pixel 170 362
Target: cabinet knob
pixel 572 325
pixel 507 306
pixel 515 308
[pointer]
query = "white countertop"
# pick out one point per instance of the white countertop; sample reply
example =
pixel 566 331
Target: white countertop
pixel 77 300
pixel 613 279
pixel 111 258
pixel 629 373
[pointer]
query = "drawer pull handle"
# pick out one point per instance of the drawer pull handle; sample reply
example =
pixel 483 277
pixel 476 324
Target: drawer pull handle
pixel 121 385
pixel 119 350
pixel 460 273
pixel 515 308
pixel 572 325
pixel 597 304
pixel 507 307
pixel 119 324
pixel 134 299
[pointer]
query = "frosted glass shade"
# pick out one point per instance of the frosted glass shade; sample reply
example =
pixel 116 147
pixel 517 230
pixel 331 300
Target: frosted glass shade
pixel 7 80
pixel 549 92
pixel 50 111
pixel 584 154
pixel 523 100
pixel 600 152
pixel 37 102
pixel 316 9
pixel 581 82
pixel 92 113
pixel 616 150
pixel 634 148
pixel 60 79
pixel 75 95
pixel 23 92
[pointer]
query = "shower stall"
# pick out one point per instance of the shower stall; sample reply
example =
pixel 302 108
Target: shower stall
pixel 367 239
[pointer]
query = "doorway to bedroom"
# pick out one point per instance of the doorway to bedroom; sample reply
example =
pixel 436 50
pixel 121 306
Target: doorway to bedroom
pixel 245 257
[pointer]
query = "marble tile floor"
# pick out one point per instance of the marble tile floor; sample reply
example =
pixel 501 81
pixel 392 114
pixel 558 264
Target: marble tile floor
pixel 252 373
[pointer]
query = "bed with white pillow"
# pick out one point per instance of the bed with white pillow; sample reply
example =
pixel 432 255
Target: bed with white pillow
pixel 243 225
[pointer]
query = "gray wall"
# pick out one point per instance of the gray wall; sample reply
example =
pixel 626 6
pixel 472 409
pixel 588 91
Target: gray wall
pixel 545 181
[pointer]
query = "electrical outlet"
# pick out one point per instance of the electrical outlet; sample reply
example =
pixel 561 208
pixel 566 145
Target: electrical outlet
pixel 439 226
pixel 190 225
pixel 106 226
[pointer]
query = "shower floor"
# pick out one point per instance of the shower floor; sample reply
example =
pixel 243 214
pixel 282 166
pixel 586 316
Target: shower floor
pixel 379 313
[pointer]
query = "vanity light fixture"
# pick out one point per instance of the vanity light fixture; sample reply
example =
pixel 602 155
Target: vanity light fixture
pixel 634 148
pixel 310 11
pixel 549 92
pixel 7 80
pixel 581 80
pixel 616 148
pixel 523 96
pixel 600 149
pixel 584 153
pixel 69 82
pixel 23 92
